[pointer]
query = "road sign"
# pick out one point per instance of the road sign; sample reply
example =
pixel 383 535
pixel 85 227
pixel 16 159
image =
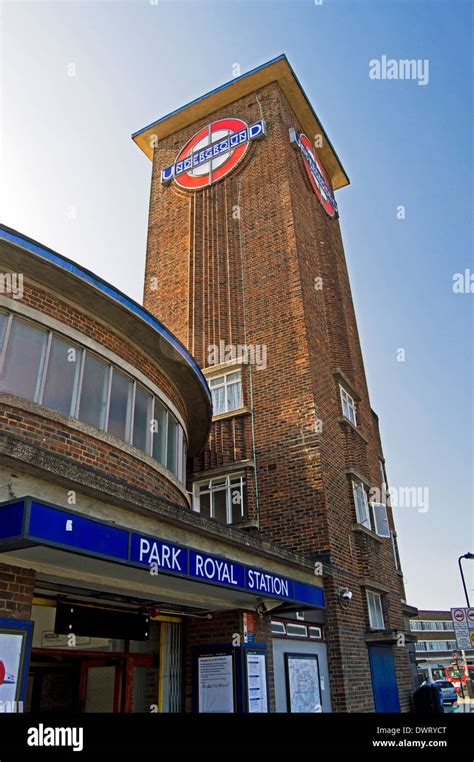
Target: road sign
pixel 463 621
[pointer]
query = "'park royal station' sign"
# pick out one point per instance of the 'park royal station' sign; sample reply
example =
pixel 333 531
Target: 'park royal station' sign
pixel 28 522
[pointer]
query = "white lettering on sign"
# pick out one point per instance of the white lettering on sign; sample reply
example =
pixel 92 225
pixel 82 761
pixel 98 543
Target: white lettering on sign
pixel 267 583
pixel 165 556
pixel 215 569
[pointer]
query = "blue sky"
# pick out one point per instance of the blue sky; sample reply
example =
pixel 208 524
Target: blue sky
pixel 73 179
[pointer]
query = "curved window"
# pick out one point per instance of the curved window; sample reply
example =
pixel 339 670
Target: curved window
pixel 46 368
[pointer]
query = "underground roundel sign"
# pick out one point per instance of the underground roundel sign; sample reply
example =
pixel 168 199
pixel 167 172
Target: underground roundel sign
pixel 316 173
pixel 212 153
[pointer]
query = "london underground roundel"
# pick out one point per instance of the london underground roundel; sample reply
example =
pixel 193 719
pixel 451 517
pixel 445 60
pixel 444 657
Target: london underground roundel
pixel 316 173
pixel 212 153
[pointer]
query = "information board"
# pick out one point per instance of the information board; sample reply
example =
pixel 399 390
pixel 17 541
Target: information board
pixel 257 698
pixel 216 683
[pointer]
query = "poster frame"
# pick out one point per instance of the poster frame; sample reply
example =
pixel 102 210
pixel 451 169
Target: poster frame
pixel 307 657
pixel 25 629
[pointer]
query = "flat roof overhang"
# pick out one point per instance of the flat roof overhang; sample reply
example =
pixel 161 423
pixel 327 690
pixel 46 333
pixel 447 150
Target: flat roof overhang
pixel 89 292
pixel 277 70
pixel 65 544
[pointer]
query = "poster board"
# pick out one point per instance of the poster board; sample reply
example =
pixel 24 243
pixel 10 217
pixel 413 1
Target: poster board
pixel 256 682
pixel 15 649
pixel 216 683
pixel 303 683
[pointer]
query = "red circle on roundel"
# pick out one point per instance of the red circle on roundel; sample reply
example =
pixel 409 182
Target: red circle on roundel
pixel 216 168
pixel 325 201
pixel 2 672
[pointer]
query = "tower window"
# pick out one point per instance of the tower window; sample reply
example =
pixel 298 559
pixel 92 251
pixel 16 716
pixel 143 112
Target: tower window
pixel 348 406
pixel 226 392
pixel 361 504
pixel 221 498
pixel 374 602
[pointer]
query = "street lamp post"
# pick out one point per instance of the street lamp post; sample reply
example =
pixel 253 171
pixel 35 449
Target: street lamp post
pixel 466 555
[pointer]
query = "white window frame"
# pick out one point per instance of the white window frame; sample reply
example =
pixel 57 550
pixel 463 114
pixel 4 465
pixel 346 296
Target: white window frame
pixel 377 622
pixel 278 628
pixel 294 630
pixel 347 399
pixel 215 485
pixel 225 383
pixel 381 525
pixel 366 522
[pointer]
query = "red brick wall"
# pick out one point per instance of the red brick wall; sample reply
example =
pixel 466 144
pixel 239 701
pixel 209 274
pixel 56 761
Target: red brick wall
pixel 16 592
pixel 86 450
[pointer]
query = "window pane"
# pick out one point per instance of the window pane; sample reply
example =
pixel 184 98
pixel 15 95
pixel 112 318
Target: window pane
pixel 232 377
pixel 236 503
pixel 3 327
pixel 218 400
pixel 220 509
pixel 62 377
pixel 24 360
pixel 234 396
pixel 159 435
pixel 236 499
pixel 216 381
pixel 94 392
pixel 171 454
pixel 141 419
pixel 120 406
pixel 205 505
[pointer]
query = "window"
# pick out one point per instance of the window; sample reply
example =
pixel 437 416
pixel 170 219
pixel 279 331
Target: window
pixel 142 419
pixel 3 328
pixel 120 406
pixel 226 392
pixel 171 456
pixel 62 376
pixel 159 432
pixel 46 368
pixel 348 406
pixel 436 645
pixel 374 601
pixel 361 504
pixel 297 630
pixel 315 632
pixel 24 360
pixel 439 625
pixel 379 512
pixel 221 498
pixel 396 555
pixel 278 628
pixel 94 390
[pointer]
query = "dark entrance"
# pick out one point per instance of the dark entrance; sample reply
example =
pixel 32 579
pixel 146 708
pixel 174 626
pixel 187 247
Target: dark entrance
pixel 84 681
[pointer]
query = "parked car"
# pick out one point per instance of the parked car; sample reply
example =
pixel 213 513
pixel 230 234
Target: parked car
pixel 448 691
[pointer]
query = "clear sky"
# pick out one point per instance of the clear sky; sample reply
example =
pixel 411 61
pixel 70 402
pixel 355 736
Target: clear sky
pixel 72 178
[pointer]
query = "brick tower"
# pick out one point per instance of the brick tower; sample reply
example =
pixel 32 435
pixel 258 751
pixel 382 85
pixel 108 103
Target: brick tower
pixel 246 266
